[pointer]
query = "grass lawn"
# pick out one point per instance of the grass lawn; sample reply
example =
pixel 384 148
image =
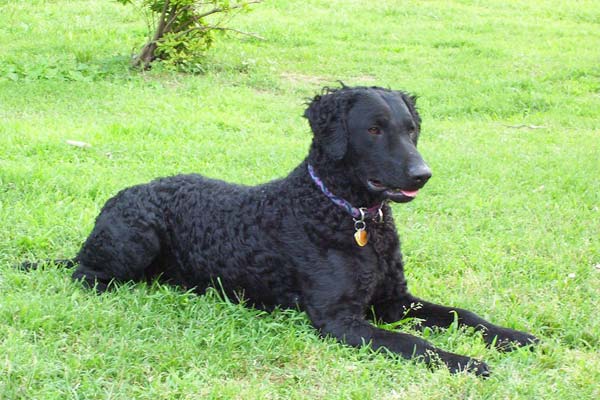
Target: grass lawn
pixel 509 226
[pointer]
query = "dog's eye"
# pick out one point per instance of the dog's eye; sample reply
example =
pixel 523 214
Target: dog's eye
pixel 374 130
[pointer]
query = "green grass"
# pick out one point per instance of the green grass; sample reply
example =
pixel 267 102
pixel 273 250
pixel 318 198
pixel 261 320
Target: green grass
pixel 509 226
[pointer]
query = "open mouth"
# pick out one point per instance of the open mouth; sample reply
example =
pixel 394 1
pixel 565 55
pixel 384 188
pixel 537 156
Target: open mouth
pixel 395 194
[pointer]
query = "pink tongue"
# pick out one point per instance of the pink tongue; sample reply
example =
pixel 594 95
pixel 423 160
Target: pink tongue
pixel 410 193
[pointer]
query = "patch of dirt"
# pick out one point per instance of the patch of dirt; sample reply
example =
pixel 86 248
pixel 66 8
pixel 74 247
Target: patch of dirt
pixel 364 79
pixel 301 78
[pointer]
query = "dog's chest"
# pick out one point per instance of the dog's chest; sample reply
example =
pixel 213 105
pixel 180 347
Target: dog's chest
pixel 384 261
pixel 383 239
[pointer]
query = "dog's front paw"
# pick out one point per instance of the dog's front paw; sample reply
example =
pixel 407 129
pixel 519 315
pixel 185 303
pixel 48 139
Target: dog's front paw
pixel 506 339
pixel 457 363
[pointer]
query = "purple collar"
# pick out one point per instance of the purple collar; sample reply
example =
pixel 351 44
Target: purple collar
pixel 360 214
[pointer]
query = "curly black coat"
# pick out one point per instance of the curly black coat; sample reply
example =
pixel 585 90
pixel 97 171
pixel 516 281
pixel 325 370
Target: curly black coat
pixel 285 243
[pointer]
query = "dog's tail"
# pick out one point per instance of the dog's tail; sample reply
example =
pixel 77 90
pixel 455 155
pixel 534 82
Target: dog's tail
pixel 31 265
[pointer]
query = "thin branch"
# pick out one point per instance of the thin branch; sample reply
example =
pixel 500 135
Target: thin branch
pixel 219 9
pixel 221 28
pixel 203 28
pixel 179 34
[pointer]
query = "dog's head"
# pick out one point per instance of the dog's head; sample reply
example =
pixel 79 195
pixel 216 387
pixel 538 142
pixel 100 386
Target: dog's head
pixel 374 132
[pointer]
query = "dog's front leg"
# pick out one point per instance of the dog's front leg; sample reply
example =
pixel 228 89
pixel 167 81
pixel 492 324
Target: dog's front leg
pixel 435 315
pixel 354 330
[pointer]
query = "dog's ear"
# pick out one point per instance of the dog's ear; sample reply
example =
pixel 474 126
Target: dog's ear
pixel 327 117
pixel 411 102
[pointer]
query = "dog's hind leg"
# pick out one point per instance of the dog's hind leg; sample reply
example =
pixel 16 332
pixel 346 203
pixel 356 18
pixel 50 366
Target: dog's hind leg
pixel 123 246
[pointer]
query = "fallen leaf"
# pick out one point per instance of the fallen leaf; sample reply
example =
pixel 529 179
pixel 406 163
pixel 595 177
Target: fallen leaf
pixel 525 126
pixel 78 144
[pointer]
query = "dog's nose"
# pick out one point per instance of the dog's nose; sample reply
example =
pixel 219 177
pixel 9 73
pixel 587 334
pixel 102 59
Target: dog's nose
pixel 419 173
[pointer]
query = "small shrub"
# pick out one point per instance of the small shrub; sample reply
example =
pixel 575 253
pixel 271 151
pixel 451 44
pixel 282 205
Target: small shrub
pixel 181 31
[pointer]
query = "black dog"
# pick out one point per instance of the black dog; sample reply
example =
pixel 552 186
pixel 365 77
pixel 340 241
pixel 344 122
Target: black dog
pixel 321 239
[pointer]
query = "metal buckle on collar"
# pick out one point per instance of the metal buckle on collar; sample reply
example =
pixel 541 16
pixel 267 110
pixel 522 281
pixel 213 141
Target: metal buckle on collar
pixel 379 219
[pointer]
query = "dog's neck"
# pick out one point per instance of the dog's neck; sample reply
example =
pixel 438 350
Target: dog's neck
pixel 340 179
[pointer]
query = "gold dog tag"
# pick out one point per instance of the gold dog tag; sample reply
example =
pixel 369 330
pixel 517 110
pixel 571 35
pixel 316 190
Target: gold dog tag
pixel 361 238
pixel 360 234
